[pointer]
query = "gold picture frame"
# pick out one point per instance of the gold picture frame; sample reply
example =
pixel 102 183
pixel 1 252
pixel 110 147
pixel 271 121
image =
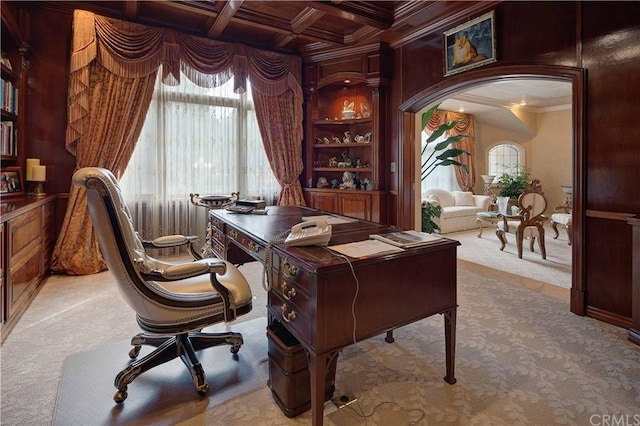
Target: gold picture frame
pixel 11 182
pixel 470 45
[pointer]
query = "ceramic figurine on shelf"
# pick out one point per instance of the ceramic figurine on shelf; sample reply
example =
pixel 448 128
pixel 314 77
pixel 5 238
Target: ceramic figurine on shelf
pixel 348 110
pixel 333 162
pixel 364 108
pixel 367 137
pixel 322 182
pixel 347 181
pixel 358 138
pixel 335 184
pixel 347 137
pixel 346 160
pixel 336 139
pixel 366 184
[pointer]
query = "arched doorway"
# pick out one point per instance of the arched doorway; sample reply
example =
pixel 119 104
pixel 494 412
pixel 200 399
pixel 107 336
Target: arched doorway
pixel 466 81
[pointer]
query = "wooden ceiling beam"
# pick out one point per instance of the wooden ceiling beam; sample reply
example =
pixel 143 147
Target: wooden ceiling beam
pixel 224 17
pixel 361 12
pixel 299 24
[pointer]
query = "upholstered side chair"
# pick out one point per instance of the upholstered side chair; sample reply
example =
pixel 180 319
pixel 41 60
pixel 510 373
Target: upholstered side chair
pixel 562 217
pixel 528 223
pixel 172 301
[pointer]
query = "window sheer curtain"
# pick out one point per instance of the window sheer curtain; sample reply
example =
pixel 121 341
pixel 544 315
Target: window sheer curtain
pixel 102 131
pixel 466 178
pixel 194 140
pixel 442 177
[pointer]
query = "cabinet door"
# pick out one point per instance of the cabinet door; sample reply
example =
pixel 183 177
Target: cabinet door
pixel 355 205
pixel 24 254
pixel 2 271
pixel 325 201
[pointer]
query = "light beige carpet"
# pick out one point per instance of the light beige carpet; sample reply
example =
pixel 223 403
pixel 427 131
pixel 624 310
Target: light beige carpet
pixel 555 269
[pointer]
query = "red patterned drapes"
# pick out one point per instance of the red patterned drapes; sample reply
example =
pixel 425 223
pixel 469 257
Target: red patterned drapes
pixel 113 66
pixel 465 126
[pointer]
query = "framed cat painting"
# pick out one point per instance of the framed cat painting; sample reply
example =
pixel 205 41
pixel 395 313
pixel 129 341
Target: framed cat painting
pixel 470 45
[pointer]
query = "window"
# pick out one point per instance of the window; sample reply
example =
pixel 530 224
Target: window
pixel 194 140
pixel 505 157
pixel 442 176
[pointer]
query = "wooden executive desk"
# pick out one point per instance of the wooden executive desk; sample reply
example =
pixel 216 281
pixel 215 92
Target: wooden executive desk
pixel 313 290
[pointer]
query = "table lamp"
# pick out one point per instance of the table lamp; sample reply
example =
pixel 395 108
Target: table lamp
pixel 487 184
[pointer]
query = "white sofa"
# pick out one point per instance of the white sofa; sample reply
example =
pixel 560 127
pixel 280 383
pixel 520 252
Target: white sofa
pixel 458 208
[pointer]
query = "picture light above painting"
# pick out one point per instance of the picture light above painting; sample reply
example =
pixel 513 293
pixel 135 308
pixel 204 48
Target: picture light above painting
pixel 470 45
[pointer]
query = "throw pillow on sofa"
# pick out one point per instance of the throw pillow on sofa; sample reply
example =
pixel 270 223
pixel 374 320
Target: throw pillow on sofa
pixel 463 198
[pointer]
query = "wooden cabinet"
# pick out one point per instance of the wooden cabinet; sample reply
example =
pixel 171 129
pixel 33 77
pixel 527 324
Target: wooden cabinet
pixel 344 147
pixel 27 244
pixel 15 50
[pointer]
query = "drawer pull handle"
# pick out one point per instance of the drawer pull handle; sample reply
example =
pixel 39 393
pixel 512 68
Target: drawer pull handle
pixel 288 317
pixel 233 234
pixel 289 270
pixel 287 292
pixel 254 246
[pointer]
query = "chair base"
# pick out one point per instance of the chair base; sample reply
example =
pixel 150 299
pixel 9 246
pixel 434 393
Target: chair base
pixel 568 227
pixel 519 242
pixel 170 347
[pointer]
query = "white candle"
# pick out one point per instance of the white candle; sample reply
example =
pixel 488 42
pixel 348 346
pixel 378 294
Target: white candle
pixel 31 163
pixel 39 173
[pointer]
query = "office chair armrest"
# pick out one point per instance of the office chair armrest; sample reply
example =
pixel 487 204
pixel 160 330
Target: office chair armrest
pixel 174 241
pixel 170 241
pixel 185 270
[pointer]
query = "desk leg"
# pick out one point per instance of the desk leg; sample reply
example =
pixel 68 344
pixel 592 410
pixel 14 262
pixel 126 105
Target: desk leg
pixel 479 222
pixel 317 373
pixel 450 344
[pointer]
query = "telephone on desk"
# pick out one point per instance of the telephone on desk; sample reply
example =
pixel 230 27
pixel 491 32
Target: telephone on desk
pixel 309 233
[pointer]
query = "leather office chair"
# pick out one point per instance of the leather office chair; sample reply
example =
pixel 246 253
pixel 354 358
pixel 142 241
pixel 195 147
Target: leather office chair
pixel 529 223
pixel 173 302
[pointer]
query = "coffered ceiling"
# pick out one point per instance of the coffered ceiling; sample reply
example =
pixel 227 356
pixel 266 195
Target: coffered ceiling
pixel 302 27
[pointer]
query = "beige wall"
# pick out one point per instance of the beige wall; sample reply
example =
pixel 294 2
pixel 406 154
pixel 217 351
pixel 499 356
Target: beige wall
pixel 548 154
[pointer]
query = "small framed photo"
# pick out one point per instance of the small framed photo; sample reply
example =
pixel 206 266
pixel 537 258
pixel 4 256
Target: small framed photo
pixel 11 182
pixel 470 45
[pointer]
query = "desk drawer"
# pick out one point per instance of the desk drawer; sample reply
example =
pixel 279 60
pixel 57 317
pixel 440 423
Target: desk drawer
pixel 291 293
pixel 285 312
pixel 292 273
pixel 246 243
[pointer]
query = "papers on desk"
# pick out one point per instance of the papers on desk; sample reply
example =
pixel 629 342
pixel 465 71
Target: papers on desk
pixel 331 220
pixel 406 239
pixel 366 248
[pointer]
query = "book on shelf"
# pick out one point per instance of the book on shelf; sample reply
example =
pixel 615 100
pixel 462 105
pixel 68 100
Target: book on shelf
pixel 406 239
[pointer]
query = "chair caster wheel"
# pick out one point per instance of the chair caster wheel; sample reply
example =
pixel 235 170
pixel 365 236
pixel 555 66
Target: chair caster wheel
pixel 235 349
pixel 120 396
pixel 133 353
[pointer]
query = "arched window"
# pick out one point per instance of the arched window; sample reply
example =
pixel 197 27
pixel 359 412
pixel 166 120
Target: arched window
pixel 505 157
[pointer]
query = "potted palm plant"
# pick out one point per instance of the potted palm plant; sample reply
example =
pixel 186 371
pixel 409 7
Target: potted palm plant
pixel 442 155
pixel 511 186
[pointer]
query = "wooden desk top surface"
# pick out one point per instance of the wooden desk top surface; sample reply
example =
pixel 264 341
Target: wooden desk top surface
pixel 266 229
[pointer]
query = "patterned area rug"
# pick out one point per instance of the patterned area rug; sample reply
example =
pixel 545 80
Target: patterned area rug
pixel 522 358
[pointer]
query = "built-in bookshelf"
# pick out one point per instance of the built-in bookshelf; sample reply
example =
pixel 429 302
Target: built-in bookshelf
pixel 9 93
pixel 345 132
pixel 14 65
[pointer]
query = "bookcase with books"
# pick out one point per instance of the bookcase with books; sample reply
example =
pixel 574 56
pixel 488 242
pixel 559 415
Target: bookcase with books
pixel 345 132
pixel 15 51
